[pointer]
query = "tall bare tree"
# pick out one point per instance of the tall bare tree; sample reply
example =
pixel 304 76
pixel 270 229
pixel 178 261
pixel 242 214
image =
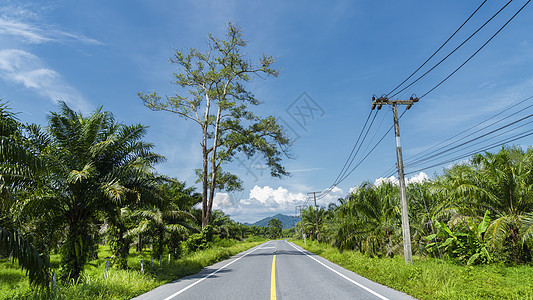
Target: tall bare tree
pixel 213 95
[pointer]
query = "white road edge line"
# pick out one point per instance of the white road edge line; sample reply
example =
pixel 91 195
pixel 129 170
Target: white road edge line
pixel 208 275
pixel 343 276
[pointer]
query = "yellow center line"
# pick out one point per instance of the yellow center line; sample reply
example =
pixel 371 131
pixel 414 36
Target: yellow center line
pixel 273 280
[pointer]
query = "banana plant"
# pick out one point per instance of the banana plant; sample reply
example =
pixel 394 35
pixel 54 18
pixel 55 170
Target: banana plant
pixel 464 243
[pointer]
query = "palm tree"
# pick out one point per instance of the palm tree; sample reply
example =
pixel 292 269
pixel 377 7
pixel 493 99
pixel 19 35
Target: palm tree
pixel 428 203
pixel 19 168
pixel 369 220
pixel 224 226
pixel 503 184
pixel 309 221
pixel 162 222
pixel 94 165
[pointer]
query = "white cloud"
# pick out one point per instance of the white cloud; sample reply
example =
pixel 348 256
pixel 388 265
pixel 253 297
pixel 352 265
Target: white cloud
pixel 280 197
pixel 383 180
pixel 36 34
pixel 266 201
pixel 353 189
pixel 24 68
pixel 221 201
pixel 419 178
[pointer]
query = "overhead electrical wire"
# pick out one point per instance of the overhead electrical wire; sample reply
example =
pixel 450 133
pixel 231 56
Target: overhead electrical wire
pixel 375 133
pixel 431 69
pixel 421 160
pixel 371 150
pixel 453 51
pixel 471 56
pixel 437 51
pixel 359 148
pixel 445 150
pixel 486 139
pixel 353 148
pixel 494 145
pixel 347 164
pixel 347 174
pixel 410 159
pixel 469 141
pixel 451 74
pixel 344 173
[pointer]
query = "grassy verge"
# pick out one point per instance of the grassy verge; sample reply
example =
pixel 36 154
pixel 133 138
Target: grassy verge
pixel 120 284
pixel 432 279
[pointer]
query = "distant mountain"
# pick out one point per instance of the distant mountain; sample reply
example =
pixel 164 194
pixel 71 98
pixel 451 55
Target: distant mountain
pixel 285 220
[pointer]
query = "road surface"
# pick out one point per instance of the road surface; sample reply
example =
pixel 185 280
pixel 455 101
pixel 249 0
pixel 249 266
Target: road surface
pixel 274 270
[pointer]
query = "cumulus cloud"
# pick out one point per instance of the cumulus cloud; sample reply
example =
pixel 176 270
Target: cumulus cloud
pixel 221 201
pixel 24 68
pixel 266 201
pixel 330 197
pixel 353 190
pixel 419 178
pixel 279 197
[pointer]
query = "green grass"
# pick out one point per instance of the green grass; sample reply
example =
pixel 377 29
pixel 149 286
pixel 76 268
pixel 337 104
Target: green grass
pixel 433 279
pixel 120 284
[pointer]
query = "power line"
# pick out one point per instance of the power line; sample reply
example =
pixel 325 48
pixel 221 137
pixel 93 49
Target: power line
pixel 353 148
pixel 435 53
pixel 410 159
pixel 371 150
pixel 494 145
pixel 453 51
pixel 375 133
pixel 359 148
pixel 487 139
pixel 469 141
pixel 427 152
pixel 474 139
pixel 344 173
pixel 471 56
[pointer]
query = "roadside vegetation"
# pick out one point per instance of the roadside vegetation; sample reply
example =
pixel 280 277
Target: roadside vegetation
pixel 82 190
pixel 471 230
pixel 431 279
pixel 81 193
pixel 120 283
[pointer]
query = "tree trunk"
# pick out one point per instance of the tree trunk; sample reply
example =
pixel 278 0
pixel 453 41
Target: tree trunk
pixel 213 166
pixel 121 246
pixel 205 215
pixel 75 248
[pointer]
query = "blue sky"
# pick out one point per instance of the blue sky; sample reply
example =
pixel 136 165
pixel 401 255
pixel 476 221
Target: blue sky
pixel 333 54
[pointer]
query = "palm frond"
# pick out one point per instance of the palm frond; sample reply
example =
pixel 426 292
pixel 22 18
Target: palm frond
pixel 36 264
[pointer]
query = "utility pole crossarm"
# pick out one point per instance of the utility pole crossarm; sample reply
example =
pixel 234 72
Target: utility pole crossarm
pixel 383 100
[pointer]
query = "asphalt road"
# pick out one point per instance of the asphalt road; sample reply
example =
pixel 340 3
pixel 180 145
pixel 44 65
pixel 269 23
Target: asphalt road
pixel 274 270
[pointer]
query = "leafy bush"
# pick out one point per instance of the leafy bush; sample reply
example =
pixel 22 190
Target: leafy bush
pixel 200 241
pixel 467 247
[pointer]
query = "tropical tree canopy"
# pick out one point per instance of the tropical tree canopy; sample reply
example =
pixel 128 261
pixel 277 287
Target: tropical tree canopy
pixel 213 94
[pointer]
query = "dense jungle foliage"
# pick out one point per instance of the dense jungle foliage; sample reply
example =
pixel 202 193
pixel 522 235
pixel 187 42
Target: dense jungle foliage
pixel 476 212
pixel 85 181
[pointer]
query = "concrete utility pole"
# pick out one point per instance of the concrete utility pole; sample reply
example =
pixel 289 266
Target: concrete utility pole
pixel 379 102
pixel 316 214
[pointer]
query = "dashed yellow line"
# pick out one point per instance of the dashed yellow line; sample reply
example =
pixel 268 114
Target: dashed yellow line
pixel 273 280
